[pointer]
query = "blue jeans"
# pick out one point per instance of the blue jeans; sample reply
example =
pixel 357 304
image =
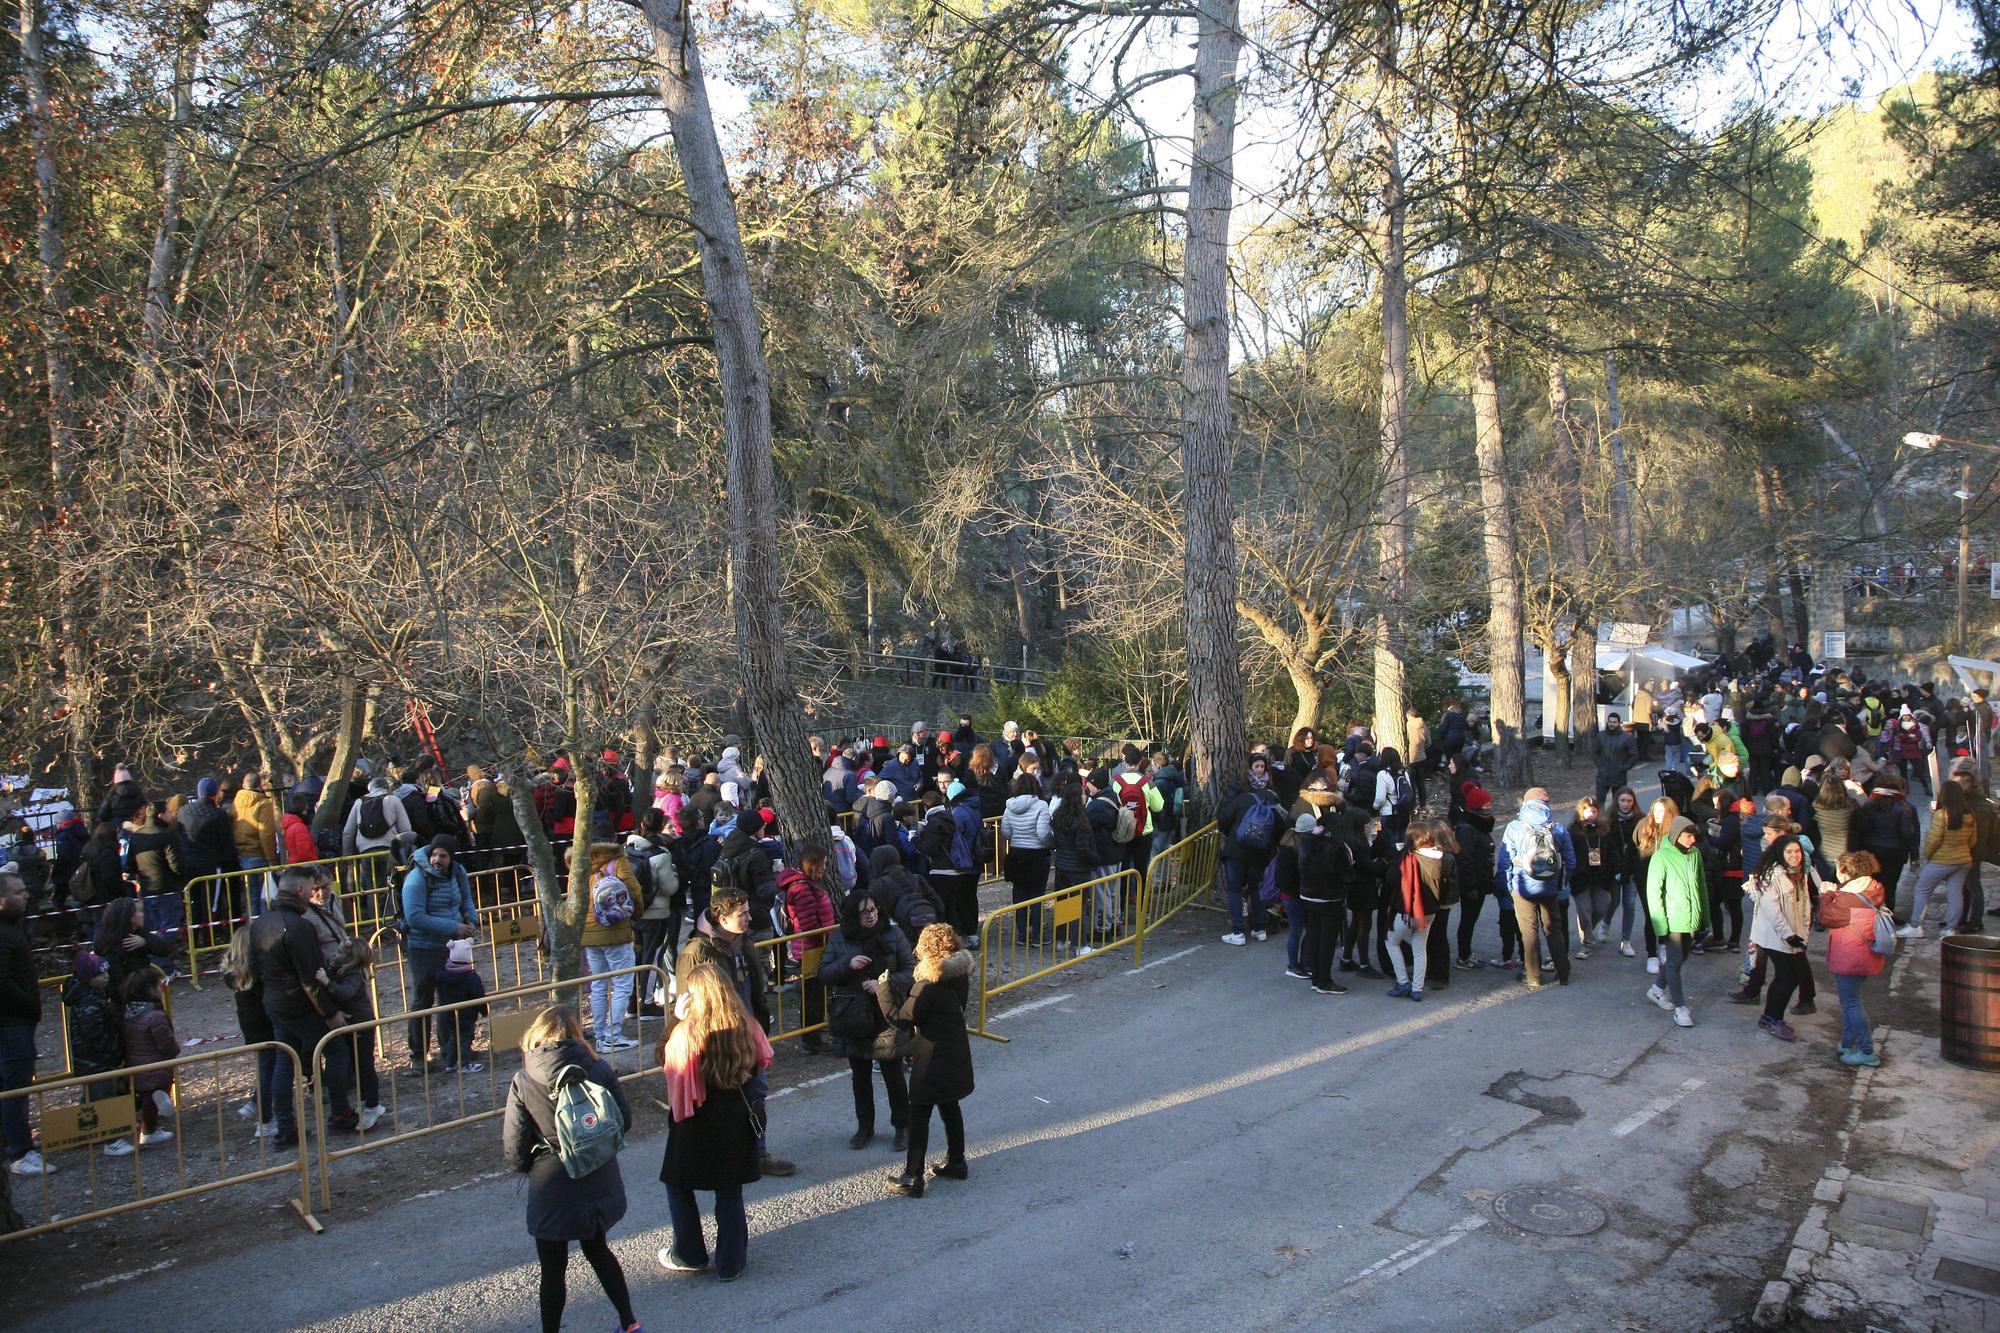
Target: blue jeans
pixel 17 1070
pixel 1246 913
pixel 606 1020
pixel 732 1229
pixel 1295 931
pixel 272 1068
pixel 1677 755
pixel 166 913
pixel 1855 1034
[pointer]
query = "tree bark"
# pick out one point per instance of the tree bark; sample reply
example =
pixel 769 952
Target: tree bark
pixel 1208 583
pixel 346 749
pixel 1503 575
pixel 1621 485
pixel 1582 720
pixel 558 937
pixel 1767 518
pixel 758 580
pixel 1392 559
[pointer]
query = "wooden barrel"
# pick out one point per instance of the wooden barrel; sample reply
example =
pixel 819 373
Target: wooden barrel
pixel 1969 1001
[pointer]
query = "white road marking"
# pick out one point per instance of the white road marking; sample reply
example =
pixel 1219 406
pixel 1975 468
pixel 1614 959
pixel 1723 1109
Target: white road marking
pixel 1042 1003
pixel 1403 1260
pixel 1133 972
pixel 1654 1108
pixel 809 1083
pixel 116 1278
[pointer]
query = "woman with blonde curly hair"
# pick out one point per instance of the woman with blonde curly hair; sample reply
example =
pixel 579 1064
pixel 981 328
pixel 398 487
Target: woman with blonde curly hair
pixel 941 1053
pixel 712 1137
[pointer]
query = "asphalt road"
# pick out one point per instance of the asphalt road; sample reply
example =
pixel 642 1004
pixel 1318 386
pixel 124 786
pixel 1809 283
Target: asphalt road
pixel 1204 1143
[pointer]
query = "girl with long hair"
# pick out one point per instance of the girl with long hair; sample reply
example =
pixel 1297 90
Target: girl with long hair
pixel 712 1137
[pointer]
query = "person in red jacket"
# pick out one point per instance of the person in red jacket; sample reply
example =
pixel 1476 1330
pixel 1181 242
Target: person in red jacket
pixel 296 831
pixel 1848 913
pixel 808 907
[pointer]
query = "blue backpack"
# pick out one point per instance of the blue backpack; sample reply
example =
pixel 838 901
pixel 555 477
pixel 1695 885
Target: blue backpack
pixel 1257 828
pixel 963 858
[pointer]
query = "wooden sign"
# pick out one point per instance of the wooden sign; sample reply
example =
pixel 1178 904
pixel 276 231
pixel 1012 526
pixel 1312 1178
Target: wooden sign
pixel 87 1123
pixel 514 929
pixel 504 1031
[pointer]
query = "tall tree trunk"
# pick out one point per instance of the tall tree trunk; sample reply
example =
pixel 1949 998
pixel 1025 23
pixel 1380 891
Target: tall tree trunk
pixel 1622 527
pixel 1767 520
pixel 158 309
pixel 1208 581
pixel 1392 547
pixel 1581 555
pixel 70 650
pixel 557 936
pixel 758 582
pixel 645 751
pixel 1503 575
pixel 346 749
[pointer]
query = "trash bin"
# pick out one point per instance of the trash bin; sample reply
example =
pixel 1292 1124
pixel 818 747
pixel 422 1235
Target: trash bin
pixel 1969 1001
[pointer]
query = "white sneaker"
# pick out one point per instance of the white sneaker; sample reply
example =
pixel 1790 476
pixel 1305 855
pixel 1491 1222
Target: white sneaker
pixel 1913 931
pixel 267 1130
pixel 164 1102
pixel 32 1165
pixel 618 1042
pixel 1625 948
pixel 1603 930
pixel 157 1136
pixel 1652 967
pixel 370 1117
pixel 1659 997
pixel 1085 951
pixel 1234 937
pixel 1258 936
pixel 1683 1017
pixel 119 1148
pixel 248 1110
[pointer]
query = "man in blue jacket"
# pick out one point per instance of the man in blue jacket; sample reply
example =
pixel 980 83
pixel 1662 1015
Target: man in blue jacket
pixel 437 909
pixel 1535 867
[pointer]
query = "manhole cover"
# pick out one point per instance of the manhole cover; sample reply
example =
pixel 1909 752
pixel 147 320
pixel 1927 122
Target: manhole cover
pixel 1549 1212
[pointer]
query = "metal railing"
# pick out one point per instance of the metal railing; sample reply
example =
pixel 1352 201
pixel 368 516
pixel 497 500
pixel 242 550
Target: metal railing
pixel 229 900
pixel 71 1118
pixel 991 869
pixel 1180 876
pixel 467 1097
pixel 798 981
pixel 1086 918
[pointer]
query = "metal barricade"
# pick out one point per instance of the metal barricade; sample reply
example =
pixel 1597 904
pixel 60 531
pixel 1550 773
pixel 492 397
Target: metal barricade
pixel 1020 945
pixel 797 981
pixel 449 1100
pixel 847 819
pixel 53 1003
pixel 206 1085
pixel 997 857
pixel 1182 875
pixel 510 934
pixel 57 931
pixel 216 906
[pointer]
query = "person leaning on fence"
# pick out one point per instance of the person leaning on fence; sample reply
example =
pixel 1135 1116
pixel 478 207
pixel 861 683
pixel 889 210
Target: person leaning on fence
pixel 721 940
pixel 714 1137
pixel 437 909
pixel 940 1056
pixel 287 964
pixel 561 1207
pixel 20 1013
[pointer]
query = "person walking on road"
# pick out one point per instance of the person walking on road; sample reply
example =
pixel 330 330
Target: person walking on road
pixel 1677 906
pixel 712 1138
pixel 562 1208
pixel 940 1056
pixel 1536 864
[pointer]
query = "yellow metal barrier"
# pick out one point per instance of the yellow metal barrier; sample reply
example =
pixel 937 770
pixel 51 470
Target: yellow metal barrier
pixel 230 899
pixel 1084 919
pixel 847 819
pixel 1181 875
pixel 70 1119
pixel 996 858
pixel 57 985
pixel 511 934
pixel 470 1097
pixel 805 983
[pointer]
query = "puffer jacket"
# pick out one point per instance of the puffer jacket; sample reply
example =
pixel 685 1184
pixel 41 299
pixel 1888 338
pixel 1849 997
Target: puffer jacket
pixel 1849 917
pixel 1782 907
pixel 1674 893
pixel 149 1037
pixel 597 936
pixel 436 903
pixel 1025 823
pixel 1947 846
pixel 256 826
pixel 807 906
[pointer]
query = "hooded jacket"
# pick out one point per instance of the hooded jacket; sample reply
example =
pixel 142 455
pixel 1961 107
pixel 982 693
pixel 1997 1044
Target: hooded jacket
pixel 209 846
pixel 1025 823
pixel 256 826
pixel 149 1038
pixel 436 903
pixel 935 1012
pixel 1783 908
pixel 840 785
pixel 559 1208
pixel 353 841
pixel 909 899
pixel 1849 917
pixel 1674 894
pixel 154 850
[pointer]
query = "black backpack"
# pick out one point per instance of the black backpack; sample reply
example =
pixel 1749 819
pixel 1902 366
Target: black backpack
pixel 373 823
pixel 418 811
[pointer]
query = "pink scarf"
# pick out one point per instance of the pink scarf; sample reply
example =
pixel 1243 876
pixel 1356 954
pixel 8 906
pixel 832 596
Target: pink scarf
pixel 686 1089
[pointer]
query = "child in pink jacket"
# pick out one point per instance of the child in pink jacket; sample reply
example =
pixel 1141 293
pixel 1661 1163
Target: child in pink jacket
pixel 1848 913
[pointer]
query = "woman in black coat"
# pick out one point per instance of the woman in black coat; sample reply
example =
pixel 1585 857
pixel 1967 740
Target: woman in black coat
pixel 124 942
pixel 560 1209
pixel 941 1055
pixel 867 945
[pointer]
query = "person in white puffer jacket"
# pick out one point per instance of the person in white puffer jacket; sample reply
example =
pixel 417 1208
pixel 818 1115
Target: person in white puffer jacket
pixel 1024 823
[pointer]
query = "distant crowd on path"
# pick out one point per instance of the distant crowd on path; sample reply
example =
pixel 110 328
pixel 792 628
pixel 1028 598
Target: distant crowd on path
pixel 1800 823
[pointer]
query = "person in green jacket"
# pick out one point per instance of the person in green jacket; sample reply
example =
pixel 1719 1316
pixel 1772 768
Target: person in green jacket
pixel 1677 901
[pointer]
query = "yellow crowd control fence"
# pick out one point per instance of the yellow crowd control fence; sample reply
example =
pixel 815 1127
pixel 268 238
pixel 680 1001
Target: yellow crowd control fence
pixel 996 856
pixel 216 906
pixel 421 1101
pixel 1181 875
pixel 509 937
pixel 1045 934
pixel 800 1002
pixel 52 1003
pixel 211 1147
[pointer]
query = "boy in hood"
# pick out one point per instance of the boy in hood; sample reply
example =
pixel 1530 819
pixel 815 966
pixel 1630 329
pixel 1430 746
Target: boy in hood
pixel 1541 901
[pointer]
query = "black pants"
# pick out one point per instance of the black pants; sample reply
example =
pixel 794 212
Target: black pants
pixel 554 1255
pixel 1728 902
pixel 1027 872
pixel 961 901
pixel 1324 923
pixel 1437 951
pixel 1786 970
pixel 1892 873
pixel 1360 925
pixel 1808 992
pixel 864 1092
pixel 920 1135
pixel 423 966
